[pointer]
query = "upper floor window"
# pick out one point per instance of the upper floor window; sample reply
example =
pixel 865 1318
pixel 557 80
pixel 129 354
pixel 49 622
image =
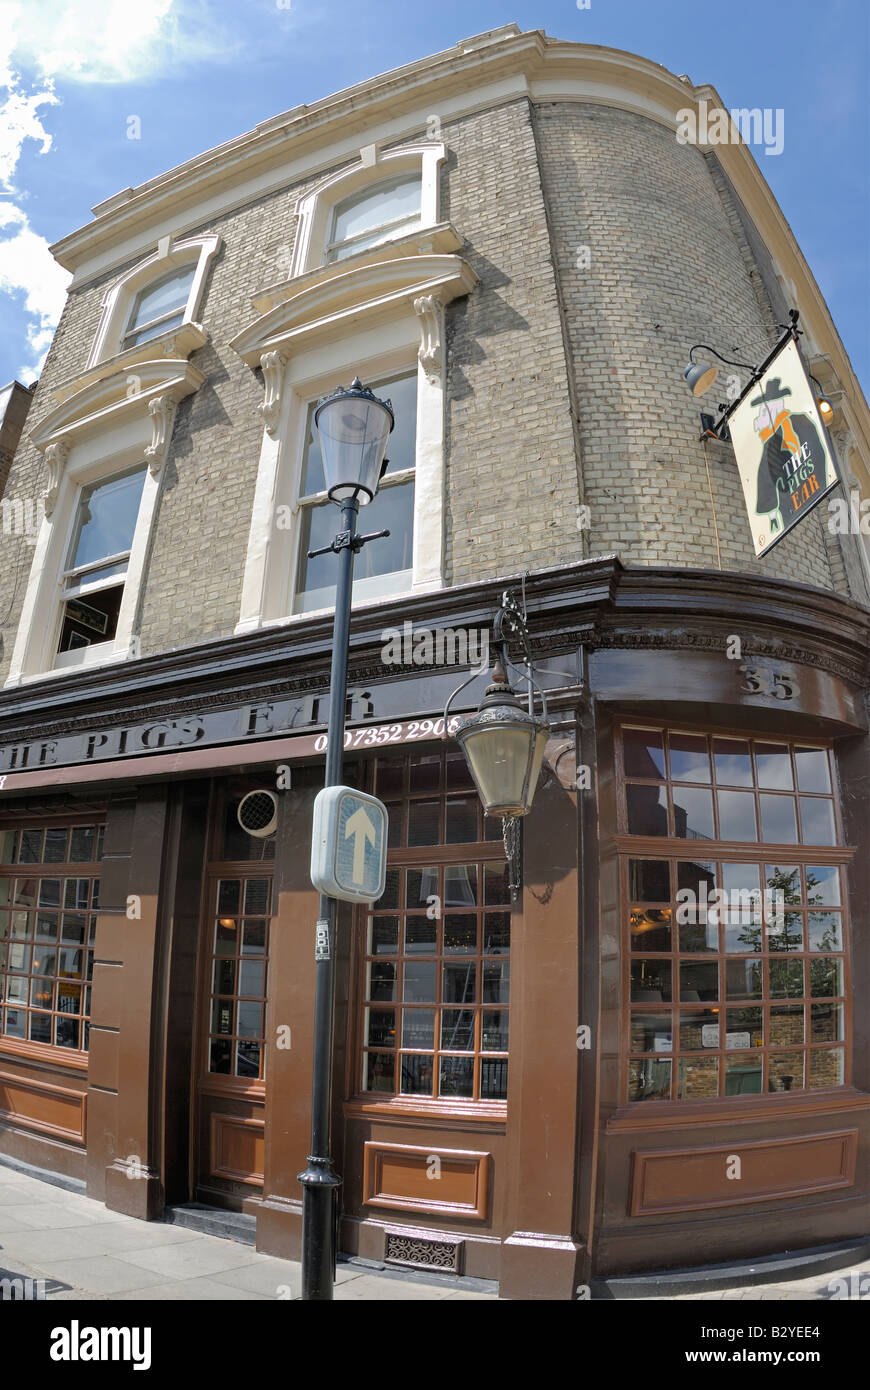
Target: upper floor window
pixel 385 196
pixel 161 297
pixel 98 558
pixel 159 307
pixel 384 566
pixel 374 215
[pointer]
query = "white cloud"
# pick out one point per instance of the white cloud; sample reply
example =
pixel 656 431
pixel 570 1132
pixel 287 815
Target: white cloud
pixel 107 41
pixel 48 42
pixel 27 267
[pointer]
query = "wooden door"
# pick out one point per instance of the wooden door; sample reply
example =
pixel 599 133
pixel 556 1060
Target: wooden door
pixel 229 1110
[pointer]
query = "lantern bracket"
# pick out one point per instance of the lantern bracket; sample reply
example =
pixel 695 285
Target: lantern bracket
pixel 344 539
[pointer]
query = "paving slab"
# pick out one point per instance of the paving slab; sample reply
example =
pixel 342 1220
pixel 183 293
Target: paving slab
pixel 190 1290
pixel 371 1287
pixel 104 1274
pixel 192 1258
pixel 265 1278
pixel 54 1215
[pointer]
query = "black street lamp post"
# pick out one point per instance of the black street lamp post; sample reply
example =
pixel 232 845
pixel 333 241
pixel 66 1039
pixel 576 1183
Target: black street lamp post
pixel 354 427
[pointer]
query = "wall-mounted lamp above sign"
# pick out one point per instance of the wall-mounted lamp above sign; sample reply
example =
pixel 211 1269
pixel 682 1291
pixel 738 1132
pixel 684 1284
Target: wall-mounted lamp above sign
pixel 778 427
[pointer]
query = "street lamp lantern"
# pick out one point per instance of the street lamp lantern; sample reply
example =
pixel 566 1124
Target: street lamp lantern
pixel 504 749
pixel 354 426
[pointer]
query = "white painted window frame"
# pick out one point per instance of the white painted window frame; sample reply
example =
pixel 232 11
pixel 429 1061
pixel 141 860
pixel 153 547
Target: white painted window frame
pixel 314 212
pixel 268 590
pixel 100 431
pixel 95 460
pixel 119 299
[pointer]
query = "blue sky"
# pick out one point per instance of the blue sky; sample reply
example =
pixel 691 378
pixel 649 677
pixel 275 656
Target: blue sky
pixel 198 72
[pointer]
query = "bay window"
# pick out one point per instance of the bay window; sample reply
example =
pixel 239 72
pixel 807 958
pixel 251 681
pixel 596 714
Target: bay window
pixel 735 916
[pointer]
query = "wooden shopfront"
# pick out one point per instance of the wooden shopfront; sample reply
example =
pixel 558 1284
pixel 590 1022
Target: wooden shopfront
pixel 546 1090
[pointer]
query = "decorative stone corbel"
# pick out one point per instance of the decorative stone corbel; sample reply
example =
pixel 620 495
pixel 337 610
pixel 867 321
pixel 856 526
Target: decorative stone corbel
pixel 56 456
pixel 843 443
pixel 430 311
pixel 273 364
pixel 162 411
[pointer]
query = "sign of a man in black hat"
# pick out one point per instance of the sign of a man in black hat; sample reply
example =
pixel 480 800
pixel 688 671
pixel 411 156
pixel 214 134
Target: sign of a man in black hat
pixel 792 467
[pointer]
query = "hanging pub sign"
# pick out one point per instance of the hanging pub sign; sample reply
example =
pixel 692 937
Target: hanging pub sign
pixel 785 460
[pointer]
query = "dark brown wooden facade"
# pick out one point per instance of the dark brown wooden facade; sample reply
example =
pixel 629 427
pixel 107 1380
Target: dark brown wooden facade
pixel 503 1139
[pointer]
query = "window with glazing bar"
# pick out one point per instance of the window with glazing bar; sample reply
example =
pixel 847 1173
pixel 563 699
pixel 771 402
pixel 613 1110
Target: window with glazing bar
pixel 735 927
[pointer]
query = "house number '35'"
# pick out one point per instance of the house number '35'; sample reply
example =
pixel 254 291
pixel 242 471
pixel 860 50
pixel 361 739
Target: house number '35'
pixel 760 681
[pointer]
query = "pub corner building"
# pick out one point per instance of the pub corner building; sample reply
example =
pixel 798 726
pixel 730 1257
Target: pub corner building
pixel 516 244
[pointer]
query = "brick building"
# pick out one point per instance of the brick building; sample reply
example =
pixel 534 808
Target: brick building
pixel 508 240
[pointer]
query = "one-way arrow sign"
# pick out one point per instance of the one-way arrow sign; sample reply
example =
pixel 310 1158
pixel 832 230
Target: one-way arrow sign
pixel 360 827
pixel 349 845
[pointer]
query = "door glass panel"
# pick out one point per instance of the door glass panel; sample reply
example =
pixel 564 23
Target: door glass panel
pixel 238 975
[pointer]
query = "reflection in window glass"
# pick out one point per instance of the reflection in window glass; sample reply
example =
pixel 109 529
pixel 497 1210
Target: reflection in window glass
pixel 697 1077
pixel 159 307
pixel 693 813
pixel 825 931
pixel 823 885
pixel 737 816
pixel 690 761
pixel 651 1032
pixel 647 809
pixel 651 929
pixel 743 1074
pixel 643 752
pixel 817 821
pixel 778 822
pixel 650 981
pixel 649 1080
pixel 813 771
pixel 106 518
pixel 773 766
pixel 826 1067
pixel 733 762
pixel 744 979
pixel 649 881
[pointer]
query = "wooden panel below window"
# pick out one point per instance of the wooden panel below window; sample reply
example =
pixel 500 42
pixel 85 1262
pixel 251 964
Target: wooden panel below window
pixel 55 1110
pixel 673 1180
pixel 454 1181
pixel 237 1149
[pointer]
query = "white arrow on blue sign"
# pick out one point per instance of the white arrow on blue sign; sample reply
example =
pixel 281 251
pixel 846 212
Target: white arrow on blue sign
pixel 349 845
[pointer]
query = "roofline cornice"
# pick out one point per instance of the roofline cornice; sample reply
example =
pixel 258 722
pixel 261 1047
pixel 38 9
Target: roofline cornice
pixel 505 64
pixel 322 123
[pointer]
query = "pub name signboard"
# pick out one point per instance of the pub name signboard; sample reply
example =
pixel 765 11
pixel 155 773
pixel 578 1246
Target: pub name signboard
pixel 382 714
pixel 784 457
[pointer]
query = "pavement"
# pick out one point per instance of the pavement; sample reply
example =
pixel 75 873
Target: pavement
pixel 82 1251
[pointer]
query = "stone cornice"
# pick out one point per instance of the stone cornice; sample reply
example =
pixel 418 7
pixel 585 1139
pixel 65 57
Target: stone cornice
pixel 441 239
pixel 110 400
pixel 175 343
pixel 324 307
